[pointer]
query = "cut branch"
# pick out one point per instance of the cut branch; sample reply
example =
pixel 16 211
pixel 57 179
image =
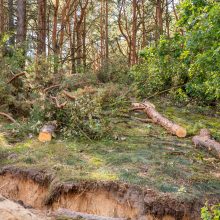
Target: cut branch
pixel 204 140
pixel 157 118
pixel 8 117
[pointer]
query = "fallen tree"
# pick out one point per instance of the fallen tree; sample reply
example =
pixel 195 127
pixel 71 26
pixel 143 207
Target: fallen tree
pixel 157 118
pixel 204 140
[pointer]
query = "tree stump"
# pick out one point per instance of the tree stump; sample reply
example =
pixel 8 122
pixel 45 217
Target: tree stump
pixel 47 132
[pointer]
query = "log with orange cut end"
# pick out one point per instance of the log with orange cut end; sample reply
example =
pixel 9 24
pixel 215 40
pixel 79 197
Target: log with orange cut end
pixel 47 132
pixel 157 118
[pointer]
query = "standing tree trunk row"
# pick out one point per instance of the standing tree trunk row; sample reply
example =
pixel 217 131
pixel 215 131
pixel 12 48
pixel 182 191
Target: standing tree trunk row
pixel 42 27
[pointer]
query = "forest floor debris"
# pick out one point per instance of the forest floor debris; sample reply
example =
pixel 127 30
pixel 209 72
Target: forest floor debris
pixel 143 155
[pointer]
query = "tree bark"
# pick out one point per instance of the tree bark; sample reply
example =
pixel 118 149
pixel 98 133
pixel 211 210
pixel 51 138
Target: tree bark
pixel 21 25
pixel 134 34
pixel 167 19
pixel 144 37
pixel 157 118
pixel 204 140
pixel 42 26
pixel 64 21
pixel 2 18
pixel 106 34
pixel 55 45
pixel 11 26
pixel 21 29
pixel 102 37
pixel 159 19
pixel 84 43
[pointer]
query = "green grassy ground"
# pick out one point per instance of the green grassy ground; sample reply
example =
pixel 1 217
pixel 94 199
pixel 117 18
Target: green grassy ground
pixel 142 154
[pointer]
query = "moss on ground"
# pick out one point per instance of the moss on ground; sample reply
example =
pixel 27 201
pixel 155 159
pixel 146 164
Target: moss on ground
pixel 142 154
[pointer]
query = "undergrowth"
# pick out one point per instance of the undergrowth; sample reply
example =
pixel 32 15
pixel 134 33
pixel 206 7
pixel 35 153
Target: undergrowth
pixel 137 153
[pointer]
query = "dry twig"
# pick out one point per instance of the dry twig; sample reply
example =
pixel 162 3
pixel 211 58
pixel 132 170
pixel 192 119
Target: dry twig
pixel 58 105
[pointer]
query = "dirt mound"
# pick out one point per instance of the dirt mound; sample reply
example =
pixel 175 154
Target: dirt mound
pixel 13 211
pixel 109 199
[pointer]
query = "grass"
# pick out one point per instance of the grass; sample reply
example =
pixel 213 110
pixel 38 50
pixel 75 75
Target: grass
pixel 141 154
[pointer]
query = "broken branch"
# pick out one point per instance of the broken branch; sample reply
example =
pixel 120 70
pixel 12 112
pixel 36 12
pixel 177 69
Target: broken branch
pixel 8 117
pixel 69 96
pixel 51 87
pixel 16 76
pixel 58 105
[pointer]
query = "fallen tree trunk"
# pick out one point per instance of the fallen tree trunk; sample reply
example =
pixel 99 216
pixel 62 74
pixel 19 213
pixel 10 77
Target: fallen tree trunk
pixel 204 140
pixel 157 118
pixel 47 132
pixel 79 215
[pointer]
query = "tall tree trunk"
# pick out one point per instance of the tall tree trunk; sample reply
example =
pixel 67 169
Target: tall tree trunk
pixel 73 48
pixel 21 29
pixel 144 37
pixel 11 26
pixel 54 37
pixel 48 32
pixel 79 45
pixel 84 43
pixel 134 34
pixel 64 21
pixel 106 34
pixel 21 25
pixel 167 19
pixel 42 27
pixel 102 37
pixel 159 19
pixel 2 17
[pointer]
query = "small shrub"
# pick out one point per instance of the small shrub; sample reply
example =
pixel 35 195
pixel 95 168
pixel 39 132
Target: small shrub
pixel 210 213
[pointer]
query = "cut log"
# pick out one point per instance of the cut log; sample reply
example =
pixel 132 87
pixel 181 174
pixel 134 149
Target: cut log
pixel 65 213
pixel 47 132
pixel 204 140
pixel 157 118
